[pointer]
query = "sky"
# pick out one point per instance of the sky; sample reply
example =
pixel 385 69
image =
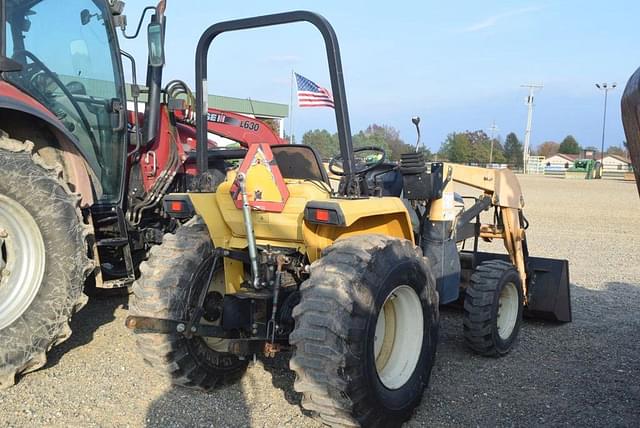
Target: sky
pixel 458 65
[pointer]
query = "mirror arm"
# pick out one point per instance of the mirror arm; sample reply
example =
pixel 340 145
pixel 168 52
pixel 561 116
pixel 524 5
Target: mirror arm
pixel 144 13
pixel 135 93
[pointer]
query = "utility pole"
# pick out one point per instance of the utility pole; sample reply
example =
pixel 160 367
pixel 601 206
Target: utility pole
pixel 493 129
pixel 527 133
pixel 604 87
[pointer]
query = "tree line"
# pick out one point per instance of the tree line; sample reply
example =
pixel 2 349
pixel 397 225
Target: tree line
pixel 386 137
pixel 569 146
pixel 459 147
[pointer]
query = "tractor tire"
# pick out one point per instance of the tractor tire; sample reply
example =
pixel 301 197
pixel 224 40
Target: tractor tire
pixel 162 291
pixel 43 258
pixel 493 308
pixel 366 331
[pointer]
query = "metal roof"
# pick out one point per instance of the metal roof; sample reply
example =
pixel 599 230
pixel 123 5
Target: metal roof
pixel 239 105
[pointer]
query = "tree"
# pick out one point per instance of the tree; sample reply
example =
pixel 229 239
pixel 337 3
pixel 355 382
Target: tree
pixel 513 150
pixel 324 142
pixel 383 136
pixel 471 146
pixel 456 148
pixel 617 151
pixel 569 146
pixel 548 149
pixel 290 138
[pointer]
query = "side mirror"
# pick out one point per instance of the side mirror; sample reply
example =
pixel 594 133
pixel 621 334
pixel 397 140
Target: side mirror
pixel 85 16
pixel 156 45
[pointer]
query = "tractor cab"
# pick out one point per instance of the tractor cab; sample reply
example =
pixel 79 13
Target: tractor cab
pixel 65 57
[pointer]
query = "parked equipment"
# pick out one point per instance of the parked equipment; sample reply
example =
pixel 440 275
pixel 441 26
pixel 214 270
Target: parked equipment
pixel 82 178
pixel 585 169
pixel 350 278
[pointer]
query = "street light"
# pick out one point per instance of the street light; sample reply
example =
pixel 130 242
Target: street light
pixel 605 87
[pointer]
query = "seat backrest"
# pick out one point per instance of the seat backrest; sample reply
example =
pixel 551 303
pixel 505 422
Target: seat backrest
pixel 297 161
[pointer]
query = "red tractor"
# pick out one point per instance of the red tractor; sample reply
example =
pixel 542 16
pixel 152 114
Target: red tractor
pixel 81 177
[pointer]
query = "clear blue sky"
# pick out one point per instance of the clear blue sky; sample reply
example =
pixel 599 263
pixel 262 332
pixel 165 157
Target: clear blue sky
pixel 458 65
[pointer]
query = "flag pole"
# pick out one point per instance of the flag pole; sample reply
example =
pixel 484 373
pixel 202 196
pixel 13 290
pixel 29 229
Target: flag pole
pixel 291 111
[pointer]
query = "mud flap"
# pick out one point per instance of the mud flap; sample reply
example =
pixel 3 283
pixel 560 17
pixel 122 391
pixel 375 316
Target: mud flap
pixel 549 295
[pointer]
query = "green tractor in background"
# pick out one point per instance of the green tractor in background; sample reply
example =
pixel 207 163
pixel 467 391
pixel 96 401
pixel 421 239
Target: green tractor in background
pixel 586 169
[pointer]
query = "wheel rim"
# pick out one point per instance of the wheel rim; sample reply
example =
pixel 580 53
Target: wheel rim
pixel 398 337
pixel 22 260
pixel 218 285
pixel 508 304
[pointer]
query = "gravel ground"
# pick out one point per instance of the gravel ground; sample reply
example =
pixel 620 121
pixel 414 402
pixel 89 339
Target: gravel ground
pixel 586 373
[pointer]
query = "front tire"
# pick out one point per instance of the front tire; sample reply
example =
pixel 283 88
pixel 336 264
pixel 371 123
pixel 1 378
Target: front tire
pixel 493 308
pixel 43 258
pixel 162 291
pixel 365 332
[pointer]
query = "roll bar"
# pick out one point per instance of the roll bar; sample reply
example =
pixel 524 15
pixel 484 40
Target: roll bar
pixel 335 71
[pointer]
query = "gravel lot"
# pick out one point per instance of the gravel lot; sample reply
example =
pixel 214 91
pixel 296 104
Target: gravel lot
pixel 586 373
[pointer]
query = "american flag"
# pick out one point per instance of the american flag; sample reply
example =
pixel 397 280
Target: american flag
pixel 312 95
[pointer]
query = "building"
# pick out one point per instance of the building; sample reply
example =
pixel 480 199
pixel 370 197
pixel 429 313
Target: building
pixel 274 113
pixel 262 110
pixel 616 163
pixel 615 166
pixel 558 163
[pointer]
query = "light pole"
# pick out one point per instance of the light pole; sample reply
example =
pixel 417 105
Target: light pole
pixel 527 133
pixel 493 129
pixel 605 87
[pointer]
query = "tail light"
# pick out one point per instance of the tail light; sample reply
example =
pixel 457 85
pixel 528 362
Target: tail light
pixel 178 206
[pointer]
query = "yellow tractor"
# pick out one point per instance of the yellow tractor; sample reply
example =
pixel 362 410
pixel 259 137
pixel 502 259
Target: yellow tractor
pixel 348 279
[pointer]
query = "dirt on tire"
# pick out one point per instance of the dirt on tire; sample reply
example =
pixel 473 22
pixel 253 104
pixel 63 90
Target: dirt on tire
pixel 41 190
pixel 163 291
pixel 336 322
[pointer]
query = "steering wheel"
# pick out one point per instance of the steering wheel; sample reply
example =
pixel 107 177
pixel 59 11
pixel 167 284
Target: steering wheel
pixel 360 167
pixel 43 68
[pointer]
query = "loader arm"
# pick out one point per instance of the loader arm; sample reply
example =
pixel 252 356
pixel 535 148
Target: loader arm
pixel 501 189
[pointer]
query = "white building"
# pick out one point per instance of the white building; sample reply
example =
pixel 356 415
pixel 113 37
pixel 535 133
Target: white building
pixel 558 163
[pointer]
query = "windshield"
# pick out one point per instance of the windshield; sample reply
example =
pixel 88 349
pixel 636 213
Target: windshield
pixel 69 60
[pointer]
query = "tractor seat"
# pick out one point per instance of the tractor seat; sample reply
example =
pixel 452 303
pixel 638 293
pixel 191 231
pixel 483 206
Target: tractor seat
pixel 385 180
pixel 299 162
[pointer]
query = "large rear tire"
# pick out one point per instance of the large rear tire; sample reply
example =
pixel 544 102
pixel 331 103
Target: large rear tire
pixel 493 308
pixel 365 332
pixel 162 291
pixel 43 258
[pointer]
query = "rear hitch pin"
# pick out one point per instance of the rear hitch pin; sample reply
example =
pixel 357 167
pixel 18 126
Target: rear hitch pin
pixel 248 225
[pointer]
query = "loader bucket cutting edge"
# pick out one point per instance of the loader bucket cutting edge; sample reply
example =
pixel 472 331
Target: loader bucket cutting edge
pixel 549 293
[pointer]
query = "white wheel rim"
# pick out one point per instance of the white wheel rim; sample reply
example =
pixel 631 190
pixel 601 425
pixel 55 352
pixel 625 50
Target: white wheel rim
pixel 398 337
pixel 22 260
pixel 508 304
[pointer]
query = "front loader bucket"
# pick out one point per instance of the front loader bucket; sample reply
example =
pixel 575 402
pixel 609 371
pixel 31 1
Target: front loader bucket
pixel 548 284
pixel 549 296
